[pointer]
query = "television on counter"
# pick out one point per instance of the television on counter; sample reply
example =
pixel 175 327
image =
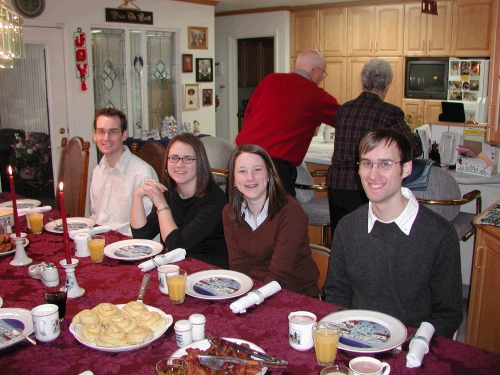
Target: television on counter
pixel 426 79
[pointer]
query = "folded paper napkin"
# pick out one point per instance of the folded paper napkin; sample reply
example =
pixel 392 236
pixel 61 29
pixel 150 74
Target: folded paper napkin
pixel 87 373
pixel 173 256
pixel 255 297
pixel 419 345
pixel 91 231
pixel 23 211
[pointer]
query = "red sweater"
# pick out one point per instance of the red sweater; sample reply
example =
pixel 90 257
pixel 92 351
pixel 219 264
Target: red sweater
pixel 283 113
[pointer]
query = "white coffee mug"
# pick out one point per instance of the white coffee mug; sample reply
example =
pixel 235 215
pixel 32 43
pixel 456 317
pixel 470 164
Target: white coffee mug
pixel 163 271
pixel 300 330
pixel 369 366
pixel 46 322
pixel 81 245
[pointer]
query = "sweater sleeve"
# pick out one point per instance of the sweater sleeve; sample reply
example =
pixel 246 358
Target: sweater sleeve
pixel 150 229
pixel 236 257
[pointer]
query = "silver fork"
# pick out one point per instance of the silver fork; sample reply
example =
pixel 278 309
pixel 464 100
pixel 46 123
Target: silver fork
pixel 399 348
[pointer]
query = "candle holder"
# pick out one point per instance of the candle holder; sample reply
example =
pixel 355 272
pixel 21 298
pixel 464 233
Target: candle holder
pixel 72 288
pixel 21 259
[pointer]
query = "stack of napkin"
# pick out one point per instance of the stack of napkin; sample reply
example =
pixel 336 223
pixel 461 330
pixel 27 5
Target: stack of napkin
pixel 162 259
pixel 419 345
pixel 91 231
pixel 255 297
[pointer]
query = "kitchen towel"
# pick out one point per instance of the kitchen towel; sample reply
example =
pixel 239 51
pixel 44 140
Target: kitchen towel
pixel 91 231
pixel 419 345
pixel 255 297
pixel 173 256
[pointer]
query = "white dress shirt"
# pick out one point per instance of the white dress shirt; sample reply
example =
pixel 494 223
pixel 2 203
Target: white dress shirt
pixel 260 217
pixel 112 189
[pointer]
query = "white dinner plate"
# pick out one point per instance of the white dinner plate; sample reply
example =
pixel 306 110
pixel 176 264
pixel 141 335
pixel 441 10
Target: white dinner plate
pixel 204 344
pixel 75 330
pixel 365 331
pixel 131 250
pixel 26 243
pixel 14 318
pixel 23 203
pixel 74 223
pixel 218 284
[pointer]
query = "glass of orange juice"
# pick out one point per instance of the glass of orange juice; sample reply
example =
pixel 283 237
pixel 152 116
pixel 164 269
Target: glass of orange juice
pixel 35 219
pixel 177 286
pixel 96 248
pixel 326 337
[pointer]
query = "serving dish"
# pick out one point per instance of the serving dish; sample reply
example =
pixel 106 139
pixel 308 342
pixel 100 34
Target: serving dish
pixel 217 284
pixel 131 250
pixel 25 243
pixel 74 223
pixel 14 318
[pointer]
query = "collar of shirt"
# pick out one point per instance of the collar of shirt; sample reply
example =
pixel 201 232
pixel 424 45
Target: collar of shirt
pixel 405 220
pixel 249 218
pixel 303 74
pixel 122 162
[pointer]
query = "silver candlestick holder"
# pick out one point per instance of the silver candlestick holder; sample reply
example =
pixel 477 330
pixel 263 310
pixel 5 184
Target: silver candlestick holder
pixel 20 259
pixel 73 290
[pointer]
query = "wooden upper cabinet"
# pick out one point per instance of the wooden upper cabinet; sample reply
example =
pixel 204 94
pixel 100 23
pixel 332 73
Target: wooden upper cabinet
pixel 304 33
pixel 473 27
pixel 428 35
pixel 493 134
pixel 335 82
pixel 375 30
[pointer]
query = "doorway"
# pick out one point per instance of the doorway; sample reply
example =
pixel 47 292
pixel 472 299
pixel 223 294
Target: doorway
pixel 33 115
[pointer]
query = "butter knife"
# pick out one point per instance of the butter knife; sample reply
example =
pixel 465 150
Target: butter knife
pixel 215 362
pixel 144 285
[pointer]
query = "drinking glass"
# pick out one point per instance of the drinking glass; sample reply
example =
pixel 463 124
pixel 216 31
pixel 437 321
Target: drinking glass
pixel 35 219
pixel 172 366
pixel 177 286
pixel 334 370
pixel 96 248
pixel 57 295
pixel 326 337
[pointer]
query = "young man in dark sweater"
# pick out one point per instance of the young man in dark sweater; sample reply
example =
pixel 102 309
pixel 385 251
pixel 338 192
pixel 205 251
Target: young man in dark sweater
pixel 393 254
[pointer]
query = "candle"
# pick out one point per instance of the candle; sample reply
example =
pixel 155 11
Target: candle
pixel 65 224
pixel 14 203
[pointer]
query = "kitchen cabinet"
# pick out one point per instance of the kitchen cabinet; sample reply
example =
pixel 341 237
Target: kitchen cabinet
pixel 375 30
pixel 493 134
pixel 483 319
pixel 425 34
pixel 255 60
pixel 323 29
pixel 354 87
pixel 428 109
pixel 473 27
pixel 335 82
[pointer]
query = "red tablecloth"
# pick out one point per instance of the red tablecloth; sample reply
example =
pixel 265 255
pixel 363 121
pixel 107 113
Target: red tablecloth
pixel 119 282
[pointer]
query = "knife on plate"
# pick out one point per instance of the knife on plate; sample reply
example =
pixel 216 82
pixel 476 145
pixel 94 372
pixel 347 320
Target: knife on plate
pixel 215 362
pixel 222 344
pixel 144 285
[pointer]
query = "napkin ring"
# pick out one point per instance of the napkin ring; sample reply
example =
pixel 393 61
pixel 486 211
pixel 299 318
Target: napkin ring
pixel 424 339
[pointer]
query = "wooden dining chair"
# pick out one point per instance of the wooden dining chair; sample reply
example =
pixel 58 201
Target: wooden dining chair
pixel 321 256
pixel 73 172
pixel 153 153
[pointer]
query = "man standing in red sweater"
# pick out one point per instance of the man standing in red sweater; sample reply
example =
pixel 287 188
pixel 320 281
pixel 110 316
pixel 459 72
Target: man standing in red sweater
pixel 284 112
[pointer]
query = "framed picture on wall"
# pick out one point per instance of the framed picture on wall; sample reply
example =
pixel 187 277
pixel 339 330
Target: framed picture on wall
pixel 197 37
pixel 207 97
pixel 204 70
pixel 187 63
pixel 191 97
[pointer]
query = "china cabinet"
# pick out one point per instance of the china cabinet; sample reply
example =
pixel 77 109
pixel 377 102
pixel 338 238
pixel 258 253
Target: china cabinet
pixel 473 26
pixel 425 34
pixel 483 323
pixel 375 30
pixel 428 109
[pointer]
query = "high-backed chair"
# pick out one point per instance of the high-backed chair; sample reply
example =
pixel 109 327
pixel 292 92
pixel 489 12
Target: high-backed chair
pixel 321 256
pixel 444 197
pixel 317 209
pixel 218 152
pixel 153 153
pixel 73 172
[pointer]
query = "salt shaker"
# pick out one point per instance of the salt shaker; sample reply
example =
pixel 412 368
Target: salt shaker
pixel 183 332
pixel 198 322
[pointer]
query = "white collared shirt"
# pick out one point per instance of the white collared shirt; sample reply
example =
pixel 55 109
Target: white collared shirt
pixel 405 220
pixel 260 217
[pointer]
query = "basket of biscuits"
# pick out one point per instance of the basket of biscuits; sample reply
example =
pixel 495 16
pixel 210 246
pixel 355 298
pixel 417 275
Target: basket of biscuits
pixel 116 328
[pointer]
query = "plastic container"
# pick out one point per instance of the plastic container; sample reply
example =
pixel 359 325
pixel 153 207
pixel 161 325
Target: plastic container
pixel 183 332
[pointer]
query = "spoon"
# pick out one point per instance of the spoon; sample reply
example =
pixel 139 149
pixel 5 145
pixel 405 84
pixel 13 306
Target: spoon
pixel 17 332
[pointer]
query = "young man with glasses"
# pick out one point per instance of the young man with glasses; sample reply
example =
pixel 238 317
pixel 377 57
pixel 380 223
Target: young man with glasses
pixel 394 255
pixel 118 174
pixel 285 110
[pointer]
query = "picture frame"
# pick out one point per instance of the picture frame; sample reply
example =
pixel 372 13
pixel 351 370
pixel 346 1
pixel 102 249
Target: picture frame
pixel 187 63
pixel 191 97
pixel 204 70
pixel 197 37
pixel 207 97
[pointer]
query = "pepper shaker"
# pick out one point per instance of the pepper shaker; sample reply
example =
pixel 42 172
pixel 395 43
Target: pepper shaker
pixel 198 322
pixel 183 332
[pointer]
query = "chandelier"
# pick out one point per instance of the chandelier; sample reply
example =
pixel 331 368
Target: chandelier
pixel 11 41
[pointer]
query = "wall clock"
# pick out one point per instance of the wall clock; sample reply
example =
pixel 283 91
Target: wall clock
pixel 29 8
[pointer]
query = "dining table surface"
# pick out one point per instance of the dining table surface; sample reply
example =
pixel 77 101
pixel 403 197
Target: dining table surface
pixel 118 282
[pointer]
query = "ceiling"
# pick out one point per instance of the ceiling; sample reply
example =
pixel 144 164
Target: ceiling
pixel 235 5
